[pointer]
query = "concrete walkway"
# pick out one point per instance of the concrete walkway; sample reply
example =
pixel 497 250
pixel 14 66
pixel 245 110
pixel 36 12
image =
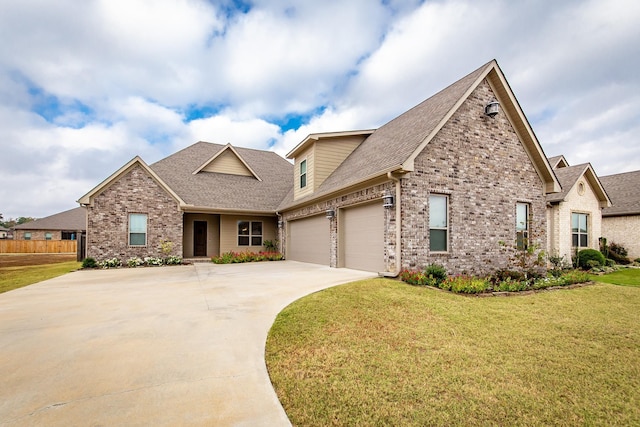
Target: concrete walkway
pixel 150 346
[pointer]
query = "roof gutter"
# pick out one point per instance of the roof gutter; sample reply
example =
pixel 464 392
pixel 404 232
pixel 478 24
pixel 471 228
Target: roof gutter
pixel 396 272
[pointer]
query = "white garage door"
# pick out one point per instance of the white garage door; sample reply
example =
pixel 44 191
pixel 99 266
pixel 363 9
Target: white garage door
pixel 363 231
pixel 308 240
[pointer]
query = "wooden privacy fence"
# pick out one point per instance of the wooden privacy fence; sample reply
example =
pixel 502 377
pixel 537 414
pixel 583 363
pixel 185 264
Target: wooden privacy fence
pixel 38 246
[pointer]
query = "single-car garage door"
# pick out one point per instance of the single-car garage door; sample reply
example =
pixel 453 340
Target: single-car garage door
pixel 309 240
pixel 363 237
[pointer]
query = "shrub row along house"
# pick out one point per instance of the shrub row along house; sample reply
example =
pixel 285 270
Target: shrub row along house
pixel 445 182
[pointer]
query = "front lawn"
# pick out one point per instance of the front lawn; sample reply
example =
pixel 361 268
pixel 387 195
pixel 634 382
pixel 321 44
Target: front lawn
pixel 625 276
pixel 17 277
pixel 381 352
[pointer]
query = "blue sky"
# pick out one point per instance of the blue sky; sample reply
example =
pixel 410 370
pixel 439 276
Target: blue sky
pixel 92 84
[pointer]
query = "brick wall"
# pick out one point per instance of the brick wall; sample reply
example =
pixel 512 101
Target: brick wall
pixel 108 218
pixel 38 234
pixel 484 169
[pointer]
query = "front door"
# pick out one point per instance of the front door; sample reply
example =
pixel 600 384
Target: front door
pixel 199 238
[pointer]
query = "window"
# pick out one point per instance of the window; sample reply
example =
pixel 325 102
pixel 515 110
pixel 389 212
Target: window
pixel 249 233
pixel 137 229
pixel 522 226
pixel 438 223
pixel 47 236
pixel 303 174
pixel 68 235
pixel 579 230
pixel 27 236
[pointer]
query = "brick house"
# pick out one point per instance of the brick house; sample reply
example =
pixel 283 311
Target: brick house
pixel 621 221
pixel 444 182
pixel 67 225
pixel 574 215
pixel 206 199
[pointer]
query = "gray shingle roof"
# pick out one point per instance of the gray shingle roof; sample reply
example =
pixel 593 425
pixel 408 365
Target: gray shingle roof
pixel 393 143
pixel 624 191
pixel 71 220
pixel 567 176
pixel 225 191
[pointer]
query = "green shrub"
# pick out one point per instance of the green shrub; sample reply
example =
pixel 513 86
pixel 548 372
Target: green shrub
pixel 509 285
pixel 465 284
pixel 239 257
pixel 576 276
pixel 173 260
pixel 110 263
pixel 89 263
pixel 134 262
pixel 413 277
pixel 549 281
pixel 586 255
pixel 436 272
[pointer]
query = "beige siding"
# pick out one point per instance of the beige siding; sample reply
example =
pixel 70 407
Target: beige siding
pixel 586 203
pixel 228 162
pixel 229 232
pixel 330 153
pixel 309 156
pixel 213 233
pixel 625 231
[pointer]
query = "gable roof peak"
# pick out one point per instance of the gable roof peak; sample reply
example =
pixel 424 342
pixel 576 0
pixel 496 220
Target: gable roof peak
pixel 225 149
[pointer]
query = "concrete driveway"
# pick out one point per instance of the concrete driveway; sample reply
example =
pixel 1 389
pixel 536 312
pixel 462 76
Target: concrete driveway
pixel 150 346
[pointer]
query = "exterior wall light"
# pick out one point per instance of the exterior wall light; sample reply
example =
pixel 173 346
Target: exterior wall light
pixel 387 201
pixel 330 213
pixel 492 108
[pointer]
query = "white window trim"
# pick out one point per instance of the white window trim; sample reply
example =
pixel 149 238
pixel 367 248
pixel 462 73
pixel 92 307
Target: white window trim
pixel 146 230
pixel 527 228
pixel 305 174
pixel 447 228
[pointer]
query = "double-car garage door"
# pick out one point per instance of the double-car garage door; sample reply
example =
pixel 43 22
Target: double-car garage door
pixel 360 238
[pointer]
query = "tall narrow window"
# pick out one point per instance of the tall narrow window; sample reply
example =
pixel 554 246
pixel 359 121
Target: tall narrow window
pixel 137 229
pixel 522 225
pixel 303 174
pixel 438 223
pixel 249 233
pixel 579 230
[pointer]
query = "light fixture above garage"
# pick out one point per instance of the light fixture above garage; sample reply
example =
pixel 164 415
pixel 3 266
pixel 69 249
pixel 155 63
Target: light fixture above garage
pixel 387 201
pixel 492 108
pixel 330 213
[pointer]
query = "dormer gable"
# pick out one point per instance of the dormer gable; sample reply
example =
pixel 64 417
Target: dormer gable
pixel 558 162
pixel 318 155
pixel 227 161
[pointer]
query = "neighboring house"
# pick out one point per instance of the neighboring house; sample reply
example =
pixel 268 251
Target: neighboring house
pixel 574 215
pixel 621 221
pixel 446 182
pixel 4 233
pixel 67 225
pixel 206 199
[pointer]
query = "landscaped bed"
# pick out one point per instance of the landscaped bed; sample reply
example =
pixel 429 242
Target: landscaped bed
pixel 380 352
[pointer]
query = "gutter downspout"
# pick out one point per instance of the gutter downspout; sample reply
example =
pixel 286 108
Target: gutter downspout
pixel 398 231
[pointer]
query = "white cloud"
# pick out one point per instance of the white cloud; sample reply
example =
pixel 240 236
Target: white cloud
pixel 116 79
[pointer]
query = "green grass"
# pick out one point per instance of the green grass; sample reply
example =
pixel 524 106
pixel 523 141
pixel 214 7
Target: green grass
pixel 17 277
pixel 626 277
pixel 380 352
